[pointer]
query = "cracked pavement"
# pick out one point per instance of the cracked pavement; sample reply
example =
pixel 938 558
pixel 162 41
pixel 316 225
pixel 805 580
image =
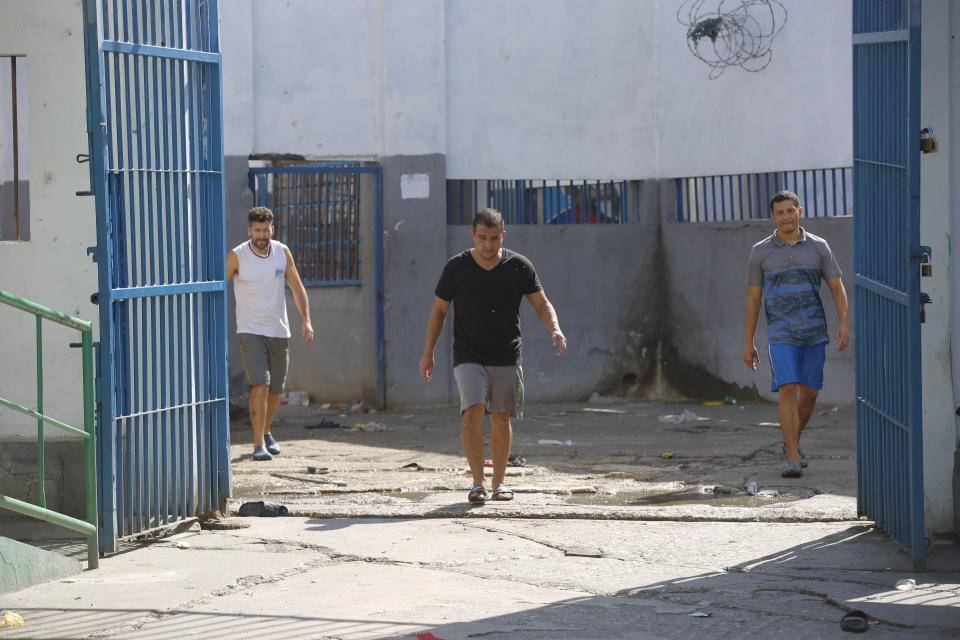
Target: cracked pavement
pixel 586 550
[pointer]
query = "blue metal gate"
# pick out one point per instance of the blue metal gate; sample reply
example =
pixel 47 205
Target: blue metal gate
pixel 886 173
pixel 156 162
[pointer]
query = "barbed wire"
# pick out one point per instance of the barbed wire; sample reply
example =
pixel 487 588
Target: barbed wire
pixel 727 33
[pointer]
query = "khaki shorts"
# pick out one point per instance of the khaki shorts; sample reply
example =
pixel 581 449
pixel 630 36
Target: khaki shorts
pixel 265 360
pixel 499 389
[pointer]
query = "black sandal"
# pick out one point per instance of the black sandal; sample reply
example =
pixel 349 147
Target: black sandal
pixel 477 494
pixel 502 494
pixel 855 621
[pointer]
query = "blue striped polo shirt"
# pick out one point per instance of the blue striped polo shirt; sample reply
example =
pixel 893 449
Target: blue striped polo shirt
pixel 791 278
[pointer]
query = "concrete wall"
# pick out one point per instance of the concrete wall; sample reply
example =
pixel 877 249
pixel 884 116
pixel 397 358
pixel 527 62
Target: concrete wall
pixel 52 268
pixel 953 149
pixel 603 281
pixel 706 271
pixel 609 89
pixel 936 176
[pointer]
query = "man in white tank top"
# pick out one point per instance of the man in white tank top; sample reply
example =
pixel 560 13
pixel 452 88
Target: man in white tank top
pixel 260 269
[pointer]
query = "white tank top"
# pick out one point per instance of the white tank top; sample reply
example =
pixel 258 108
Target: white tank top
pixel 259 288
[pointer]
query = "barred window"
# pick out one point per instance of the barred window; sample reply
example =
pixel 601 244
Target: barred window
pixel 316 210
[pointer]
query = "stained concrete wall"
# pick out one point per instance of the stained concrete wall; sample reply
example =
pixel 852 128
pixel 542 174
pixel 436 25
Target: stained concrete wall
pixel 603 281
pixel 706 271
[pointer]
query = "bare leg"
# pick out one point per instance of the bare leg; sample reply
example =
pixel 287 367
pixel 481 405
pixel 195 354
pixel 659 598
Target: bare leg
pixel 501 436
pixel 471 437
pixel 790 420
pixel 806 404
pixel 258 412
pixel 272 401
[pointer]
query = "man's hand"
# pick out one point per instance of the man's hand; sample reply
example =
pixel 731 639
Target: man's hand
pixel 307 332
pixel 843 338
pixel 750 357
pixel 426 367
pixel 559 342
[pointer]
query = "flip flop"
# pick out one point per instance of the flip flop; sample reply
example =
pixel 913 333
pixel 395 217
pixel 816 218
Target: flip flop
pixel 477 495
pixel 856 621
pixel 502 494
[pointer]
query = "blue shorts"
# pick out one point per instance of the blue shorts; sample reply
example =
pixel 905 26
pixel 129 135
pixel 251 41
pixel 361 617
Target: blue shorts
pixel 790 363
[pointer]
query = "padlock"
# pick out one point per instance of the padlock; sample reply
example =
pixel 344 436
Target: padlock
pixel 926 270
pixel 928 141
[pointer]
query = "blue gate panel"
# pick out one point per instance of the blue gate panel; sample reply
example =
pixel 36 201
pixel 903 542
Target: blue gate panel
pixel 157 161
pixel 886 103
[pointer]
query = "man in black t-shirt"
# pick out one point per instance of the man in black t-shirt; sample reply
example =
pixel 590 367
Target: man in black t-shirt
pixel 485 285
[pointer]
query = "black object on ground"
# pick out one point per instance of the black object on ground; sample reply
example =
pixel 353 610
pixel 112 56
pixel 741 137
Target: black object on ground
pixel 317 470
pixel 262 509
pixel 414 466
pixel 326 423
pixel 856 621
pixel 516 461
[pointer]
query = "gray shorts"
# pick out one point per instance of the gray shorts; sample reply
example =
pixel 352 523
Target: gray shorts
pixel 265 360
pixel 499 389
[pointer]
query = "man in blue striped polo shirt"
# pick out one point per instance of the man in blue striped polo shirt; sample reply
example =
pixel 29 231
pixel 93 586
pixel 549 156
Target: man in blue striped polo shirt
pixel 784 273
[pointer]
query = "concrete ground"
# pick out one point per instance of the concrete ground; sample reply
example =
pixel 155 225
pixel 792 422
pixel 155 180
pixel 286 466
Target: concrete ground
pixel 606 539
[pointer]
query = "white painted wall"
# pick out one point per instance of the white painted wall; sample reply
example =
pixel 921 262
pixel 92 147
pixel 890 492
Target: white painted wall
pixel 538 88
pixel 52 268
pixel 939 430
pixel 609 89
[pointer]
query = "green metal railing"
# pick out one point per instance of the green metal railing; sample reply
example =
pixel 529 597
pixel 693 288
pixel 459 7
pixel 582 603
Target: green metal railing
pixel 88 433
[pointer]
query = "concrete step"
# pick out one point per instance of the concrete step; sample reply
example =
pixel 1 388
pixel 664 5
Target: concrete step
pixel 23 565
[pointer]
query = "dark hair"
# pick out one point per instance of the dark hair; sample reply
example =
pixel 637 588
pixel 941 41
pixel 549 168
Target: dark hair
pixel 780 196
pixel 489 218
pixel 260 214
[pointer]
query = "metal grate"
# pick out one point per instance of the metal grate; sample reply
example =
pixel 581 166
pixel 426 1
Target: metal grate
pixel 545 201
pixel 316 212
pixel 823 193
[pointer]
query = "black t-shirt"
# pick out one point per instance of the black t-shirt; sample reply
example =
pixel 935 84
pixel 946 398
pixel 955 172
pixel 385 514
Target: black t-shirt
pixel 486 307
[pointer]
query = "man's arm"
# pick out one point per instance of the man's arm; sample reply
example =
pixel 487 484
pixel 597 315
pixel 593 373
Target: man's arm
pixel 548 318
pixel 438 314
pixel 754 300
pixel 233 265
pixel 840 303
pixel 292 276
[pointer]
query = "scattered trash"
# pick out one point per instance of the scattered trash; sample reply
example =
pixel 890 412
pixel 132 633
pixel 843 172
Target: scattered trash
pixel 906 584
pixel 325 405
pixel 180 544
pixel 356 406
pixel 487 462
pixel 666 455
pixel 713 403
pixel 768 424
pixel 583 552
pixel 562 443
pixel 516 461
pixel 680 418
pixel 317 470
pixel 729 400
pixel 752 488
pixel 10 619
pixel 699 614
pixel 295 398
pixel 326 423
pixel 262 509
pixel 414 466
pixel 855 621
pixel 835 409
pixel 428 636
pixel 375 427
